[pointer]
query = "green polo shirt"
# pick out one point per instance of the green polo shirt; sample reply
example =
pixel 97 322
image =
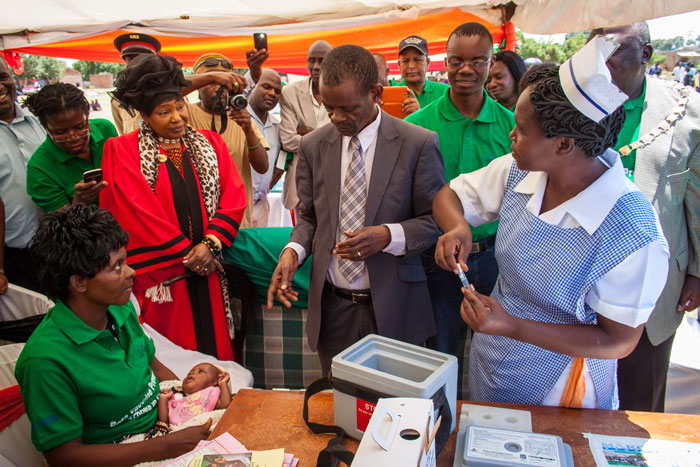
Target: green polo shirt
pixel 52 173
pixel 630 130
pixel 432 91
pixel 468 145
pixel 78 382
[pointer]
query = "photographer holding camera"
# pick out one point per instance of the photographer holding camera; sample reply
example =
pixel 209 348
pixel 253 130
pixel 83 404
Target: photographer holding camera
pixel 246 145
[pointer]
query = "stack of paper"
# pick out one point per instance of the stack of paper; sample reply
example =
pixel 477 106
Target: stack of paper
pixel 225 450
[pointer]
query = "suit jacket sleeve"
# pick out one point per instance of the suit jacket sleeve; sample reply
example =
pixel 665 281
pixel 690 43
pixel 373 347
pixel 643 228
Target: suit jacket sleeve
pixel 421 230
pixel 692 206
pixel 303 232
pixel 289 120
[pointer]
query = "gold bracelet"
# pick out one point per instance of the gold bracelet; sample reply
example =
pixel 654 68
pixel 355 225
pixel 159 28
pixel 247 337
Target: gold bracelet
pixel 255 146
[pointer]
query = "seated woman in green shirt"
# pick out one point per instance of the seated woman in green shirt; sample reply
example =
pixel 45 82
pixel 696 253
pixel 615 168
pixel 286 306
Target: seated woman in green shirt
pixel 88 374
pixel 73 146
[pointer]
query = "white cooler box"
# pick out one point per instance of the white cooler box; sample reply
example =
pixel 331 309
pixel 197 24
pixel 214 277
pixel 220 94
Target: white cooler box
pixel 377 367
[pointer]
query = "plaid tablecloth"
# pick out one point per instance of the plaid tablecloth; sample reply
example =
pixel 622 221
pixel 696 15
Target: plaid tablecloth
pixel 276 349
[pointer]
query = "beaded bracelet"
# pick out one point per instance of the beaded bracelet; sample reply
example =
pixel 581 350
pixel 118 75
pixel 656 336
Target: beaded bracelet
pixel 161 428
pixel 254 146
pixel 213 248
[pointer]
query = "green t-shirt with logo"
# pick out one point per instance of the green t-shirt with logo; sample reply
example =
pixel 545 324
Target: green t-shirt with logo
pixel 52 173
pixel 468 145
pixel 630 131
pixel 78 382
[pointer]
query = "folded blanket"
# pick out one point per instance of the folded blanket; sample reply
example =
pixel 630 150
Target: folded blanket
pixel 199 419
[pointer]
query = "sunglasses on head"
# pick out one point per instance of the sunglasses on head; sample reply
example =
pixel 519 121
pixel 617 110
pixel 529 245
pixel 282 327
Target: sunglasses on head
pixel 213 61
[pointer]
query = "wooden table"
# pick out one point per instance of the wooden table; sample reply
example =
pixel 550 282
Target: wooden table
pixel 268 419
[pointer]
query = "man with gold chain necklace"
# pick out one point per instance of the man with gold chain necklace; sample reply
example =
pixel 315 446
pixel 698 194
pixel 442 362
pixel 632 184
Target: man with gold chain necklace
pixel 660 149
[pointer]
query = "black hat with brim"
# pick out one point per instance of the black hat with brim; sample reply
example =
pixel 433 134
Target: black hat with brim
pixel 134 43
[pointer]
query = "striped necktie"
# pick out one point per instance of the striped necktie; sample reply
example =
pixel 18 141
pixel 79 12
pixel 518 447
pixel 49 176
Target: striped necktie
pixel 352 207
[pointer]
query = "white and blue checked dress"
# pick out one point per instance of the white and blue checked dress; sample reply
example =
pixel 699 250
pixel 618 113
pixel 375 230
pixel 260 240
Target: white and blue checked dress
pixel 545 273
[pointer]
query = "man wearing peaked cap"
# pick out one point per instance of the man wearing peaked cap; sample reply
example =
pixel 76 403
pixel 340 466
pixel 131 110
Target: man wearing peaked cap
pixel 413 64
pixel 130 46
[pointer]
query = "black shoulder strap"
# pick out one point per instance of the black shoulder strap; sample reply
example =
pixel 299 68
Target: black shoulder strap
pixel 334 450
pixel 222 112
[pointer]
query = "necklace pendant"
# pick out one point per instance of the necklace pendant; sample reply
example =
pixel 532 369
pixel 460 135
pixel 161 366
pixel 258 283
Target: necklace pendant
pixel 162 157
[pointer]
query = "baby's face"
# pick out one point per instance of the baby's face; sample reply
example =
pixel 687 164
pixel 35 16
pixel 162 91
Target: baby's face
pixel 202 376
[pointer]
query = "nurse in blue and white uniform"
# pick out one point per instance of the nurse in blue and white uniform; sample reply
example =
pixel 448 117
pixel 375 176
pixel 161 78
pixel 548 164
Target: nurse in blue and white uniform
pixel 581 253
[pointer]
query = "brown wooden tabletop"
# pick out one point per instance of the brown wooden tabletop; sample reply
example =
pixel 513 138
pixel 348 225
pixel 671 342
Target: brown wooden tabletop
pixel 269 419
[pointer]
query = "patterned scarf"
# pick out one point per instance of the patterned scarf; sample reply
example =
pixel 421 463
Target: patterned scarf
pixel 206 166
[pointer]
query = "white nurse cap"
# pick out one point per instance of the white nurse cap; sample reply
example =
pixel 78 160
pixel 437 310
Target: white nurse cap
pixel 586 80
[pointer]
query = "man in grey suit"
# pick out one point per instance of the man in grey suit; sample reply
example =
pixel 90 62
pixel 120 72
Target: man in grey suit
pixel 301 111
pixel 365 186
pixel 661 154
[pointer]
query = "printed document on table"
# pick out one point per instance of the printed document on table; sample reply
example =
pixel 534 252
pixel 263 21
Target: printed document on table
pixel 621 450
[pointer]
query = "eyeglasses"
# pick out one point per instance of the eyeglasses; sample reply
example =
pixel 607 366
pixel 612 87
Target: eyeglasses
pixel 72 135
pixel 475 65
pixel 213 61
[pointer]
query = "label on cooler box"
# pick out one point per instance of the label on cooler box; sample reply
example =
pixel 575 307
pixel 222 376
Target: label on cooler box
pixel 364 413
pixel 512 447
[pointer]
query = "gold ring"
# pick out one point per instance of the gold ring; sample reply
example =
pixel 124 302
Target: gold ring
pixel 359 255
pixel 196 268
pixel 235 85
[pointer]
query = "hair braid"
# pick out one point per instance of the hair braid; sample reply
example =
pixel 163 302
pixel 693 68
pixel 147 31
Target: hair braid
pixel 558 117
pixel 55 99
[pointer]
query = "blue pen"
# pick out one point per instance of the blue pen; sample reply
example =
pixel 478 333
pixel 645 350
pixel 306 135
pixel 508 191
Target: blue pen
pixel 462 277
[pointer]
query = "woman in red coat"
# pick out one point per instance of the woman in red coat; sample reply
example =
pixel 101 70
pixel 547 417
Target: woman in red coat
pixel 180 198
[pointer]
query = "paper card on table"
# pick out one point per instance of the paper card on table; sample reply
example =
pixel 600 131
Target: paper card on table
pixel 222 444
pixel 270 458
pixel 288 458
pixel 294 462
pixel 221 460
pixel 624 450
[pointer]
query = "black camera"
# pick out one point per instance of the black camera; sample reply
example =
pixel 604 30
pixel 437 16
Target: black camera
pixel 237 101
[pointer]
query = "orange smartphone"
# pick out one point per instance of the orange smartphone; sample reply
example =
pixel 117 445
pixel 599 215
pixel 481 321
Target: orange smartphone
pixel 393 97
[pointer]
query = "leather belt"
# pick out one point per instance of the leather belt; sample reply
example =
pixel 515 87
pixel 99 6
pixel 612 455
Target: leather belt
pixel 359 297
pixel 484 244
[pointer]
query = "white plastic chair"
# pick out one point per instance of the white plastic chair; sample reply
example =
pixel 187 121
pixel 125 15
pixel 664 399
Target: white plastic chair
pixel 16 448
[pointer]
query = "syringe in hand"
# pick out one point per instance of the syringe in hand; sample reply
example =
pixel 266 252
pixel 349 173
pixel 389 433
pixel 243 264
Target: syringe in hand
pixel 462 277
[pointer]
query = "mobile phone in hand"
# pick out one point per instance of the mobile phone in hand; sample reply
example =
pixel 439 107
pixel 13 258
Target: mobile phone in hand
pixel 393 97
pixel 94 175
pixel 260 40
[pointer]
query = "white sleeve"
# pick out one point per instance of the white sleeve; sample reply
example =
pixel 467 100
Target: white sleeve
pixel 628 292
pixel 301 252
pixel 397 244
pixel 481 192
pixel 251 85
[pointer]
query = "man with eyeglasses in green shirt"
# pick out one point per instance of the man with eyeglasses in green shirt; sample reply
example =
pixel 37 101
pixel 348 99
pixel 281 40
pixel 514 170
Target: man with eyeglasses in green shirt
pixel 473 130
pixel 413 64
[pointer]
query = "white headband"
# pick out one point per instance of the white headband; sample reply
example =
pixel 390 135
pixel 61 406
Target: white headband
pixel 586 80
